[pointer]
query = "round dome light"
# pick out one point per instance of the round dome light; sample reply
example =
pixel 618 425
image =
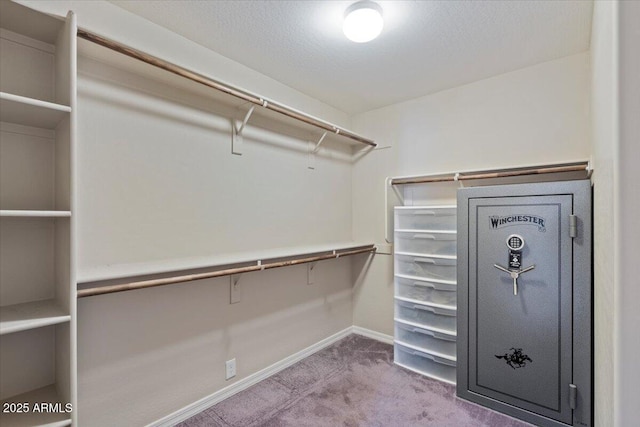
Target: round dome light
pixel 363 21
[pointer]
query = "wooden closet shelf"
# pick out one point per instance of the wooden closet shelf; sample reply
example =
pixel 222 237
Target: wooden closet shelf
pixel 31 112
pixel 232 91
pixel 30 315
pixel 573 167
pixel 46 394
pixel 223 266
pixel 34 213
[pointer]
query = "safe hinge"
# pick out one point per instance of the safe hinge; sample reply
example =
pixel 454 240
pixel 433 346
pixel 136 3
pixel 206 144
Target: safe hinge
pixel 573 226
pixel 573 396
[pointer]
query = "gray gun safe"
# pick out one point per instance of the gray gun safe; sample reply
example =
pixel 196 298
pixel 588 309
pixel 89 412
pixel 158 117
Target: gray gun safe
pixel 524 300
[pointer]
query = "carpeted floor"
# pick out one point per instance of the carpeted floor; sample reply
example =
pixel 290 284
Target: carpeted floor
pixel 351 383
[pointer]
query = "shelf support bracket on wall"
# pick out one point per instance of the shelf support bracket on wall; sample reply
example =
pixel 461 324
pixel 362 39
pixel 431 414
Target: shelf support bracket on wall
pixel 234 289
pixel 236 132
pixel 398 194
pixel 313 150
pixel 320 141
pixel 359 154
pixel 456 178
pixel 388 237
pixel 311 275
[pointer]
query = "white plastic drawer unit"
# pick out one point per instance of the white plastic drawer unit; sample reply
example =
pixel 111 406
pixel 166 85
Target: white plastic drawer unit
pixel 427 315
pixel 441 218
pixel 426 267
pixel 437 367
pixel 430 340
pixel 426 290
pixel 426 242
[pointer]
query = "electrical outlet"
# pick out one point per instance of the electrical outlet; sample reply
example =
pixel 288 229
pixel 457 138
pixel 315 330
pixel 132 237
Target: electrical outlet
pixel 230 366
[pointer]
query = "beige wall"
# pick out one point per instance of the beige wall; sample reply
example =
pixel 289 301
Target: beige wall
pixel 534 115
pixel 604 137
pixel 158 182
pixel 627 212
pixel 145 354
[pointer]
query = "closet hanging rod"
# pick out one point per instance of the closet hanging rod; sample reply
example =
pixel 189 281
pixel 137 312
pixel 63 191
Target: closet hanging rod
pixel 230 90
pixel 100 290
pixel 583 166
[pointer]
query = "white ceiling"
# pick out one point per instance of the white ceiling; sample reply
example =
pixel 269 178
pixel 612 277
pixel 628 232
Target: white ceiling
pixel 425 46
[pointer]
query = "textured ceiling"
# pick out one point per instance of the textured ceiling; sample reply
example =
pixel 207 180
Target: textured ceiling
pixel 425 47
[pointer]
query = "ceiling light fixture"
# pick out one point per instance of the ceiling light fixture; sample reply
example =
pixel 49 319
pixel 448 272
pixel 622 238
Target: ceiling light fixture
pixel 363 21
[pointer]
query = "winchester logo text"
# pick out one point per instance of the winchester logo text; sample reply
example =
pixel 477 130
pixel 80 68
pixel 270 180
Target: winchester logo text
pixel 511 220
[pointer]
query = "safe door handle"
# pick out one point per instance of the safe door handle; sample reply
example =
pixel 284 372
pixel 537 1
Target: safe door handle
pixel 501 268
pixel 514 275
pixel 524 270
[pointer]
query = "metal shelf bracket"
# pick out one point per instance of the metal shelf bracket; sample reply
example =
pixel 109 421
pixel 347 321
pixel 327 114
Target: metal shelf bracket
pixel 236 132
pixel 313 150
pixel 311 275
pixel 234 288
pixel 319 143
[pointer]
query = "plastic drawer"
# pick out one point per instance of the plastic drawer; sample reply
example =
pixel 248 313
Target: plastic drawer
pixel 426 242
pixel 426 218
pixel 432 366
pixel 426 267
pixel 424 290
pixel 432 341
pixel 430 316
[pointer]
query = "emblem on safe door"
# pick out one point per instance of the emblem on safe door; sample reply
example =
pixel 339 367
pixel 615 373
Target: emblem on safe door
pixel 497 222
pixel 515 358
pixel 515 244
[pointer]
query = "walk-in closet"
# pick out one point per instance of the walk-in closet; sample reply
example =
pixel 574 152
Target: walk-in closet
pixel 319 213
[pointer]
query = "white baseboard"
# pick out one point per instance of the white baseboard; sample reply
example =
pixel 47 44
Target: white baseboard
pixel 378 336
pixel 206 402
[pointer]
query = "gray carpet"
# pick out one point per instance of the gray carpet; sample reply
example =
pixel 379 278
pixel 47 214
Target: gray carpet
pixel 351 383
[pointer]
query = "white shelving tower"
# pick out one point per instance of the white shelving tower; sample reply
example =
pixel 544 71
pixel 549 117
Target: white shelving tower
pixel 425 290
pixel 37 232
